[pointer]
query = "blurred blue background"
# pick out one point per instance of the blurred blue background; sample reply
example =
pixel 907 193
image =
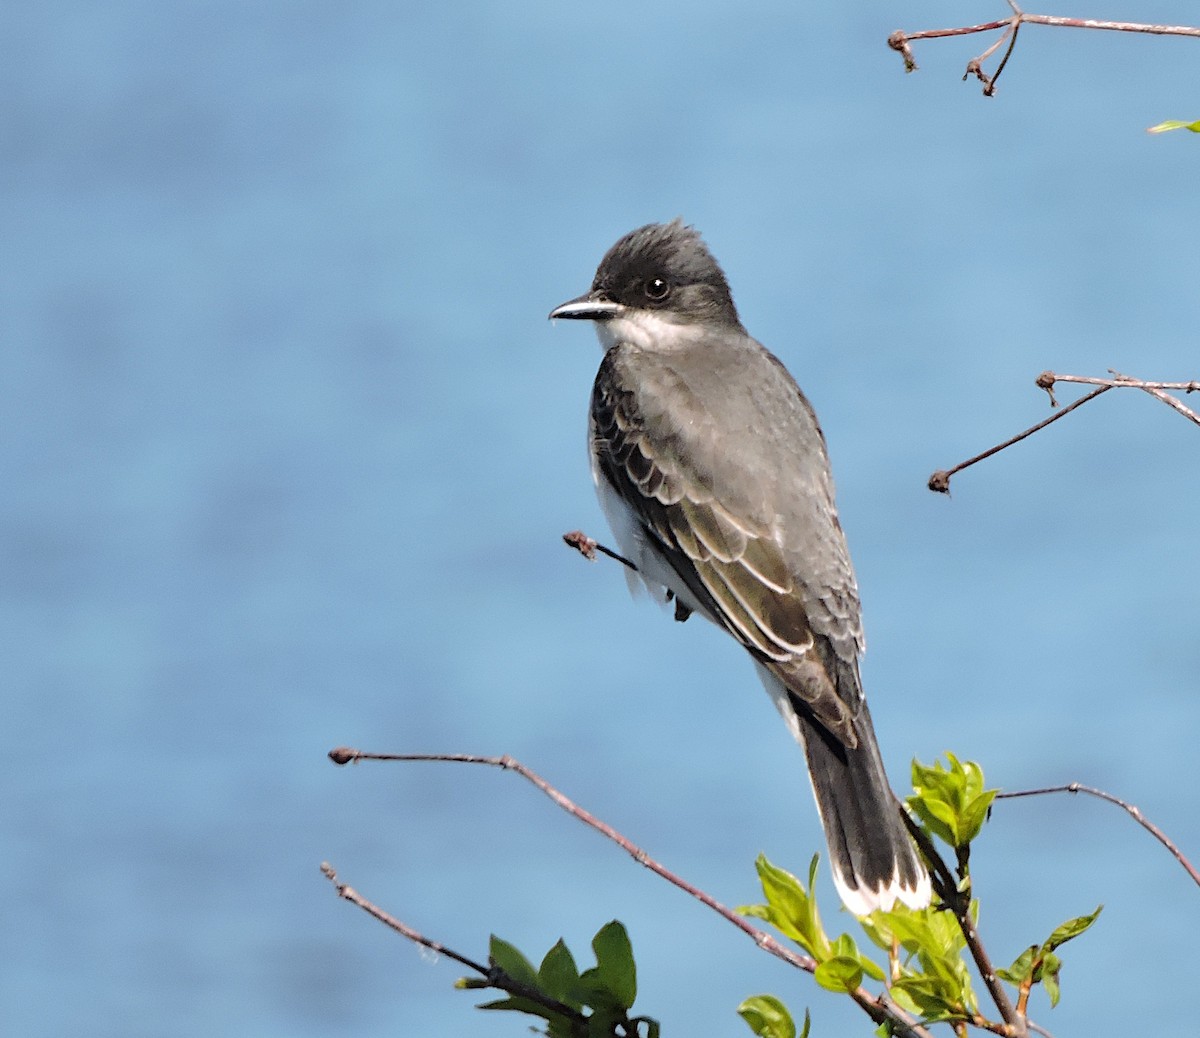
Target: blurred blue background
pixel 288 445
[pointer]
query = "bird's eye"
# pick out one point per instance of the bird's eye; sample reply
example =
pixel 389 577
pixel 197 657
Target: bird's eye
pixel 657 289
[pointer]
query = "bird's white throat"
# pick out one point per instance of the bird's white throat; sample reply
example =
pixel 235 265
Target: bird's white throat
pixel 646 329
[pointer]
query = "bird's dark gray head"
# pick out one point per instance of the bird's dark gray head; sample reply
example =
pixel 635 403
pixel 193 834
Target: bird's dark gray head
pixel 662 268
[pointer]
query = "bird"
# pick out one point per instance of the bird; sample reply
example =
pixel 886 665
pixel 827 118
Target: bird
pixel 713 473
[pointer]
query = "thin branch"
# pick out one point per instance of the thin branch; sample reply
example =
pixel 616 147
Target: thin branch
pixel 1133 812
pixel 877 1007
pixel 587 547
pixel 1120 380
pixel 493 975
pixel 1158 390
pixel 900 41
pixel 1159 393
pixel 940 480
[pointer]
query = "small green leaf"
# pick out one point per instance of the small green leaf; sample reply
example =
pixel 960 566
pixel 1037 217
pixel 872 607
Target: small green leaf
pixel 924 997
pixel 1071 929
pixel 845 947
pixel 767 1017
pixel 1175 124
pixel 975 814
pixel 504 955
pixel 615 969
pixel 1047 974
pixel 1021 968
pixel 839 973
pixel 790 908
pixel 519 1004
pixel 558 975
pixel 603 1023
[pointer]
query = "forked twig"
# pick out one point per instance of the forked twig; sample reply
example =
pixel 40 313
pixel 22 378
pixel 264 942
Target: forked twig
pixel 900 41
pixel 940 480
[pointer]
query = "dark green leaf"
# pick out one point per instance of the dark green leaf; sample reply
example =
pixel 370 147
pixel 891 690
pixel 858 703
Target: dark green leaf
pixel 603 1023
pixel 520 1004
pixel 504 955
pixel 559 977
pixel 767 1017
pixel 615 968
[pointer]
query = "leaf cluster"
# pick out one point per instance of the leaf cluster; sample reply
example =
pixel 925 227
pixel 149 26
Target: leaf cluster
pixel 928 973
pixel 591 1004
pixel 950 802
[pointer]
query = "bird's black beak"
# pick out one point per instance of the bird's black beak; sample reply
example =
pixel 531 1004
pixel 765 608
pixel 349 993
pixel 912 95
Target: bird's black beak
pixel 594 306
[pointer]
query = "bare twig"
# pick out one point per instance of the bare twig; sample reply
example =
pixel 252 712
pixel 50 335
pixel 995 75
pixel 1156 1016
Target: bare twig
pixel 1119 380
pixel 493 975
pixel 940 480
pixel 900 41
pixel 587 547
pixel 1158 390
pixel 1133 811
pixel 878 1007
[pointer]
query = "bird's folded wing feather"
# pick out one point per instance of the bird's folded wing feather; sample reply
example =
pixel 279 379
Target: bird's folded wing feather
pixel 739 567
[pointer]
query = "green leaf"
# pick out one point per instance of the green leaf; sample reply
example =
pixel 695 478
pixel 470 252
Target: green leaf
pixel 603 1023
pixel 767 1017
pixel 1047 975
pixel 1021 969
pixel 615 970
pixel 504 955
pixel 1071 929
pixel 790 908
pixel 924 997
pixel 975 814
pixel 845 947
pixel 1175 124
pixel 520 1004
pixel 950 801
pixel 558 976
pixel 839 973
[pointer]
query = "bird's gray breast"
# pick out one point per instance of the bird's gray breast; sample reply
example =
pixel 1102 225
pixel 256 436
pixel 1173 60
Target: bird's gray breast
pixel 715 443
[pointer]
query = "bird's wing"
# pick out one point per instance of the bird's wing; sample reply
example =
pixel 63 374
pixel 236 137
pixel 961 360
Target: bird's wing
pixel 742 564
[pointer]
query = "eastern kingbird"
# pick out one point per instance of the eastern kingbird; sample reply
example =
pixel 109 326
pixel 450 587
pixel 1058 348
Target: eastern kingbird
pixel 713 474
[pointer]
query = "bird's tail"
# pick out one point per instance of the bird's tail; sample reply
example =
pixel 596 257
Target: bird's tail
pixel 874 860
